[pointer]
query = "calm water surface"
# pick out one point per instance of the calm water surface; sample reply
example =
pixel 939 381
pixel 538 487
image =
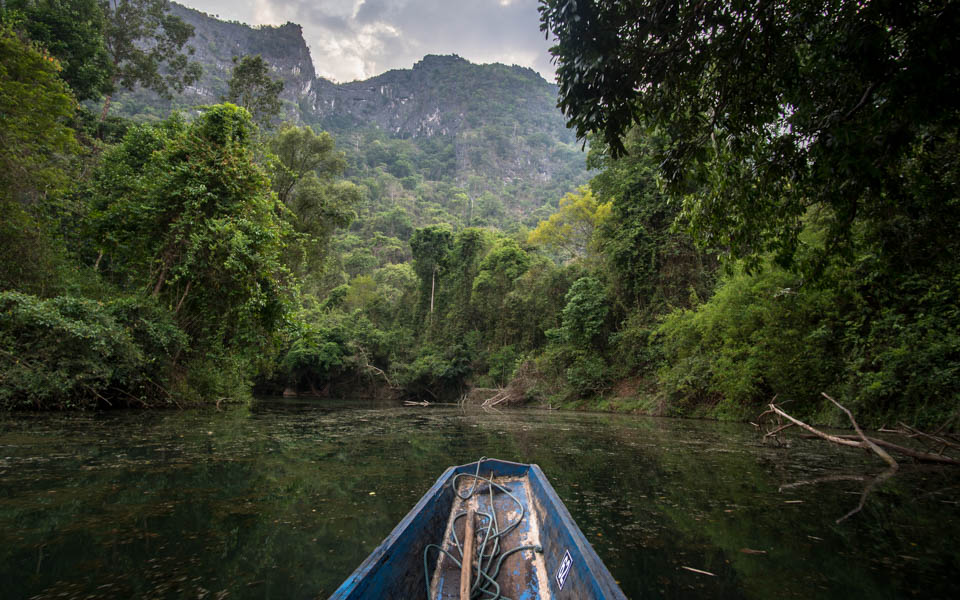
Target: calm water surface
pixel 284 499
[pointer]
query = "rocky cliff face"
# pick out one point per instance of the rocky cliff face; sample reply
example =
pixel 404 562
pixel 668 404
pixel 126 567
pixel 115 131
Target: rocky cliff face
pixel 502 120
pixel 443 95
pixel 440 95
pixel 217 42
pixel 496 122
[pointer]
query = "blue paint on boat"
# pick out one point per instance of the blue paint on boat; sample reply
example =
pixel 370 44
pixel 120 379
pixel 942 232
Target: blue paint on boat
pixel 395 568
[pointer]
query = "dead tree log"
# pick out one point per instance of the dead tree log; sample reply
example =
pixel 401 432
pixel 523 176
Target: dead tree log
pixel 861 440
pixel 918 455
pixel 371 369
pixel 930 439
pixel 870 443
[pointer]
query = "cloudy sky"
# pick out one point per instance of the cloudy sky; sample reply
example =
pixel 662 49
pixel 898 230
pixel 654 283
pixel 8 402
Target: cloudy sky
pixel 357 39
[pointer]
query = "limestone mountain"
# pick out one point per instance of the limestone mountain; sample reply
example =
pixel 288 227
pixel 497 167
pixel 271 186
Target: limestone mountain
pixel 489 132
pixel 442 95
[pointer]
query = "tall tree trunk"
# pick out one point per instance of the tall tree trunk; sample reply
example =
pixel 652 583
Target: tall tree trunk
pixel 109 97
pixel 160 280
pixel 106 108
pixel 182 298
pixel 433 284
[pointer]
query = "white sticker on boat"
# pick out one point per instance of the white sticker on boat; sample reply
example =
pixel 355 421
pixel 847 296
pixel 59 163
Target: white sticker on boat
pixel 565 566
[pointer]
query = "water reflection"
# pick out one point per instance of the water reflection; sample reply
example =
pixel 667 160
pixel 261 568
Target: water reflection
pixel 283 499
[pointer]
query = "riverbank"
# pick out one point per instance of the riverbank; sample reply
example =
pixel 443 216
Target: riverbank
pixel 638 396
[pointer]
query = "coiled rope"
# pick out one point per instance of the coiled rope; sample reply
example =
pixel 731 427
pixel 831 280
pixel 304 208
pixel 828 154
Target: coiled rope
pixel 489 559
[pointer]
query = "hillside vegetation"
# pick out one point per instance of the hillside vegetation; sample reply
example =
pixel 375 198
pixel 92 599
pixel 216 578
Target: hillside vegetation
pixel 754 224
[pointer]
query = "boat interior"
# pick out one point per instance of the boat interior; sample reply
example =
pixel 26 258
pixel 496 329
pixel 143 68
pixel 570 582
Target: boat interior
pixel 507 558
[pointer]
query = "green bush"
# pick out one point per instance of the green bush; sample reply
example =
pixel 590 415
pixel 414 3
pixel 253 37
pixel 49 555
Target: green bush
pixel 907 366
pixel 316 354
pixel 69 352
pixel 635 346
pixel 585 313
pixel 502 364
pixel 588 375
pixel 758 336
pixel 436 373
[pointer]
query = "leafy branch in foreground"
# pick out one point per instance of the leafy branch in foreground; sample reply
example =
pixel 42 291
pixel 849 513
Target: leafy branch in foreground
pixel 773 111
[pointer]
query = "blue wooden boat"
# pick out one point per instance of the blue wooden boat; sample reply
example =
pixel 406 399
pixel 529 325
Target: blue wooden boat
pixel 528 547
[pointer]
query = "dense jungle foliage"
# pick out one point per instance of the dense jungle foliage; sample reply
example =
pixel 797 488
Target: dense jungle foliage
pixel 772 211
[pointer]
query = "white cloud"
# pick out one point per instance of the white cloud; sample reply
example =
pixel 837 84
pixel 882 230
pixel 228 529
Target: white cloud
pixel 264 12
pixel 346 58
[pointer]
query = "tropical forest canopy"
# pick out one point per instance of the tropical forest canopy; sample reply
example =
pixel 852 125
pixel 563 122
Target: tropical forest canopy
pixel 771 210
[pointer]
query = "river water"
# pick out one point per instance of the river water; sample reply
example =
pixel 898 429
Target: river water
pixel 283 499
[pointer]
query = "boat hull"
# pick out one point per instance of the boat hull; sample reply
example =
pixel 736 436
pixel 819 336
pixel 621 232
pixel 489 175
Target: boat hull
pixel 395 569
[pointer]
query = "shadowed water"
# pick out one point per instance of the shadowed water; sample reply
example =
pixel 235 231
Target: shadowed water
pixel 284 499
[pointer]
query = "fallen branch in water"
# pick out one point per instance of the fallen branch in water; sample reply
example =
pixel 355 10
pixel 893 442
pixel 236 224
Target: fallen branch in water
pixel 918 455
pixel 699 571
pixel 870 443
pixel 824 479
pixel 504 395
pixel 774 432
pixel 872 483
pixel 943 441
pixel 861 440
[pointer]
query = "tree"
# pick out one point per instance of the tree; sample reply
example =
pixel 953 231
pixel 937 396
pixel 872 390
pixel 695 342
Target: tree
pixel 184 213
pixel 301 152
pixel 575 348
pixel 652 267
pixel 585 313
pixel 72 31
pixel 496 275
pixel 470 245
pixel 35 105
pixel 252 88
pixel 430 246
pixel 146 47
pixel 770 110
pixel 569 231
pixel 537 297
pixel 304 178
pixel 36 149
